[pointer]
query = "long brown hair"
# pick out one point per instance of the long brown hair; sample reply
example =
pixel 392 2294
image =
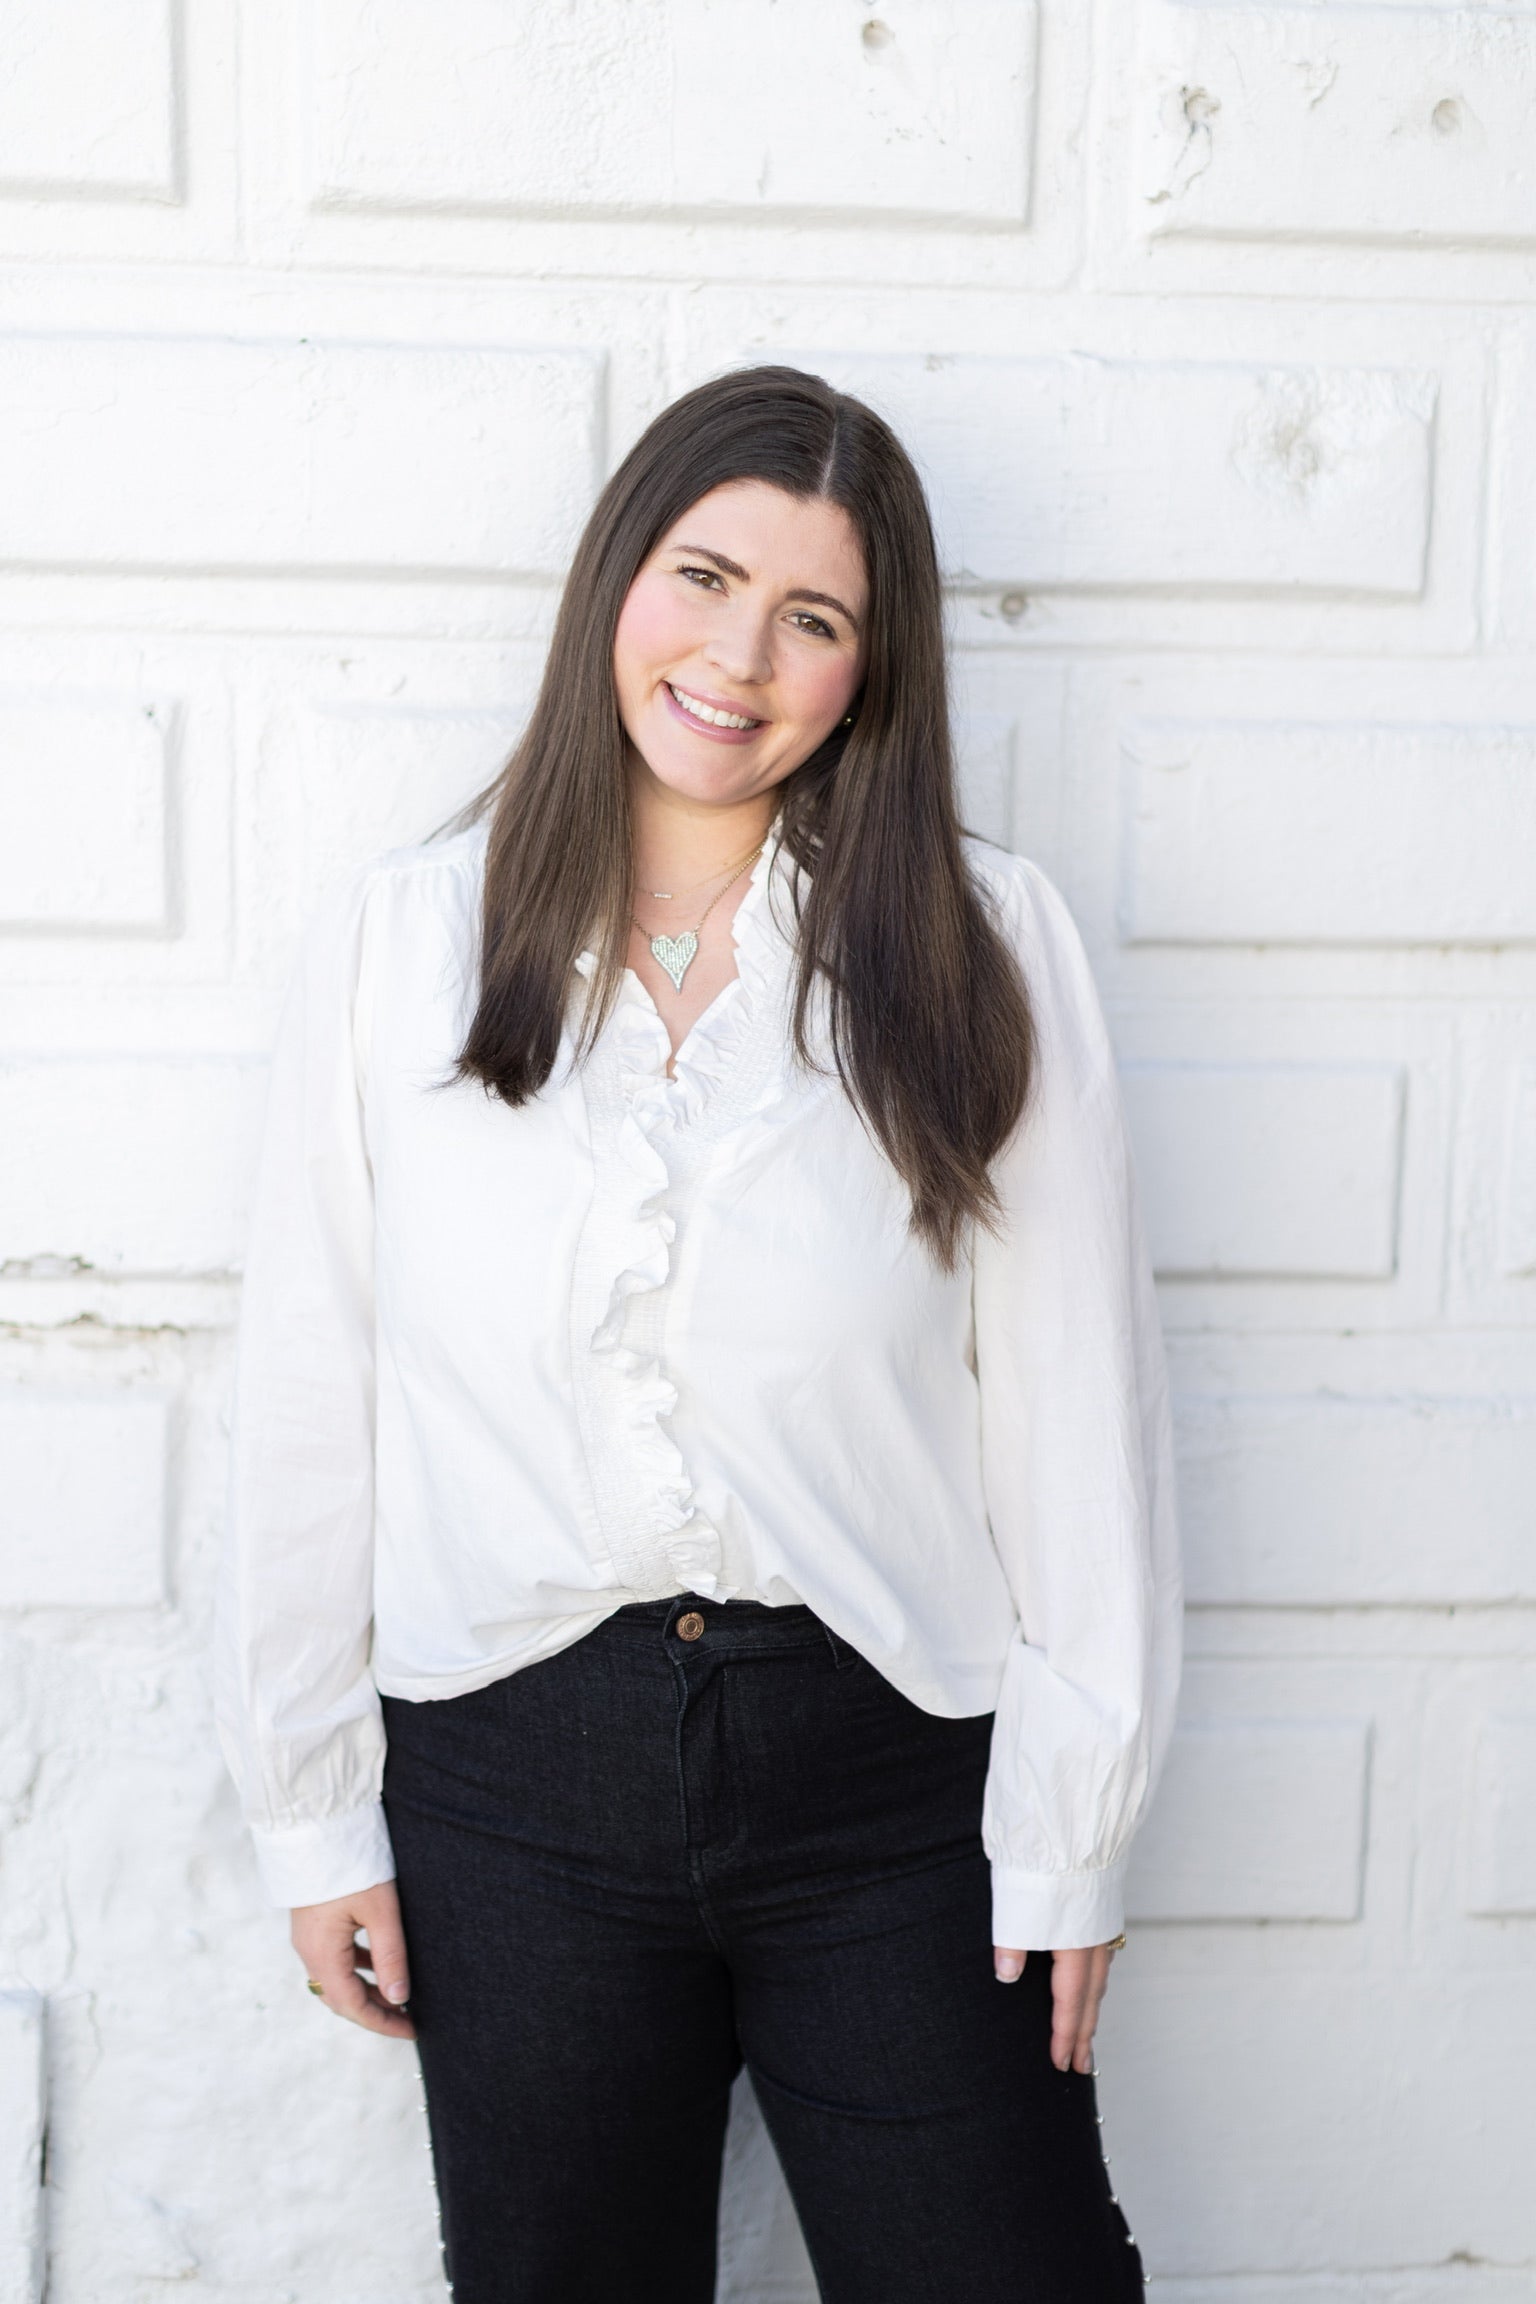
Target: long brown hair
pixel 930 1026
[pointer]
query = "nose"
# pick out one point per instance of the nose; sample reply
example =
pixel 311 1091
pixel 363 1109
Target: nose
pixel 738 647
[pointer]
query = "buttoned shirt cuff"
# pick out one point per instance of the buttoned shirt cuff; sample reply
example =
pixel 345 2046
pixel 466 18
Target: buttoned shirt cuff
pixel 1057 1911
pixel 333 1856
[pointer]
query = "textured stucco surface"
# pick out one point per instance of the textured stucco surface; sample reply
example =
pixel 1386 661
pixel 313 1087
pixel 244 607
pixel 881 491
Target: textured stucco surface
pixel 320 320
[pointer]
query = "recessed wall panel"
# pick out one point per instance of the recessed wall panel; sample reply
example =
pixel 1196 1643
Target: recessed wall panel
pixel 376 778
pixel 986 745
pixel 187 452
pixel 1089 473
pixel 1280 1171
pixel 1330 1502
pixel 1255 1821
pixel 1501 1856
pixel 1369 123
pixel 83 1478
pixel 84 801
pixel 128 1166
pixel 88 107
pixel 739 108
pixel 1246 832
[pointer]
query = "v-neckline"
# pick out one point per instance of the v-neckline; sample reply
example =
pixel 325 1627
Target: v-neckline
pixel 732 991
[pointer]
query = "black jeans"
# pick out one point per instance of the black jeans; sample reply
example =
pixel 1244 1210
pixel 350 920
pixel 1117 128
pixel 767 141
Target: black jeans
pixel 628 1868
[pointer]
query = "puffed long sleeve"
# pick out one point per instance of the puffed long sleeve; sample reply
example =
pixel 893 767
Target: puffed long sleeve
pixel 1077 1471
pixel 297 1709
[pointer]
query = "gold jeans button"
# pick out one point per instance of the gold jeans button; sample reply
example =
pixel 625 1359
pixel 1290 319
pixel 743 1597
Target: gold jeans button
pixel 691 1626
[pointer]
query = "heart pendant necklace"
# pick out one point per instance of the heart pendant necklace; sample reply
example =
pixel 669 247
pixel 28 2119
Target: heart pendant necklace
pixel 676 953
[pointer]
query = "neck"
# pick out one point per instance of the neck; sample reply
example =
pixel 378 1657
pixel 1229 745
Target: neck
pixel 682 840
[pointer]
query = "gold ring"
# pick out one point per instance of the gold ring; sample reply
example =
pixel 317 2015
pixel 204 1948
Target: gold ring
pixel 1116 1943
pixel 315 1986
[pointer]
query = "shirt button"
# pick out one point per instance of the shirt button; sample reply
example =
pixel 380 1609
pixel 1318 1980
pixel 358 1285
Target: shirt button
pixel 691 1626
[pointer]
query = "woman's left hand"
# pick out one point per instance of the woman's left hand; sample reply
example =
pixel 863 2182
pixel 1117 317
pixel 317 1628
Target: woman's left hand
pixel 1078 1981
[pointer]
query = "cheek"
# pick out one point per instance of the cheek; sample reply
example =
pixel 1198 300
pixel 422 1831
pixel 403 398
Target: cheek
pixel 653 629
pixel 820 688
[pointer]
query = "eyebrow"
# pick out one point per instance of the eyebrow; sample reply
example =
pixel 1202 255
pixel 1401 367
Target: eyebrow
pixel 734 568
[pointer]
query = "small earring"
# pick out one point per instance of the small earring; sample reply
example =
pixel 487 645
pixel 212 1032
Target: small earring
pixel 847 719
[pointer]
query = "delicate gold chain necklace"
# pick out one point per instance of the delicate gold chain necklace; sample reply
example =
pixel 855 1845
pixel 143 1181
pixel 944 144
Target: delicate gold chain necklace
pixel 676 953
pixel 671 895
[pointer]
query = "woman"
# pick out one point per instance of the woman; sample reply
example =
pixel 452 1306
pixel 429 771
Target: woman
pixel 702 1581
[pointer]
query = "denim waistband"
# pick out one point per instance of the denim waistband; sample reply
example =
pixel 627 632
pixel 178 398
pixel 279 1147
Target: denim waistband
pixel 738 1623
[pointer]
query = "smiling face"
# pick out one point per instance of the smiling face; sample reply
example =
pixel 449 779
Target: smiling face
pixel 740 644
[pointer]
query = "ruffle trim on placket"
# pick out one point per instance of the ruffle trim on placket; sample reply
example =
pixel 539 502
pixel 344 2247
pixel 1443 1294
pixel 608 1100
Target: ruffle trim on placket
pixel 727 1060
pixel 639 1233
pixel 724 1069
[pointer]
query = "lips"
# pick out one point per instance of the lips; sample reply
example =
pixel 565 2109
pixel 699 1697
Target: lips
pixel 712 711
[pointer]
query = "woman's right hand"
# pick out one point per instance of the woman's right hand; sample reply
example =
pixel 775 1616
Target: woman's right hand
pixel 325 1939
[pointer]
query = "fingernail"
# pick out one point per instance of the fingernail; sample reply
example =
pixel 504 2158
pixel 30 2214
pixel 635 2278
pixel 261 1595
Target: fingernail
pixel 1009 1971
pixel 1065 2065
pixel 395 1991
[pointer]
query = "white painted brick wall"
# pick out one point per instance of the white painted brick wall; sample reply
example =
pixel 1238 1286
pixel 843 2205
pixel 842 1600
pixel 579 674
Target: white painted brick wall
pixel 1211 326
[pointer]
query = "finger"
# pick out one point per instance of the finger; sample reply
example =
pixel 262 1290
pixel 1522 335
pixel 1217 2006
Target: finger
pixel 385 1955
pixel 1070 1973
pixel 1007 1964
pixel 347 1995
pixel 377 2016
pixel 335 1967
pixel 1098 1983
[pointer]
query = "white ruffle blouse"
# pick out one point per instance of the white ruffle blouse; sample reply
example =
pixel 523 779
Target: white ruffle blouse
pixel 501 1372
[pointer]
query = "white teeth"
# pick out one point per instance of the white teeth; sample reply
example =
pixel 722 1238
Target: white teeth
pixel 708 712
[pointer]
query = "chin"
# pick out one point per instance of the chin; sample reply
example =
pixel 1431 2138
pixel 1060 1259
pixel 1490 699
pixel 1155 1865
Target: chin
pixel 722 776
pixel 693 783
